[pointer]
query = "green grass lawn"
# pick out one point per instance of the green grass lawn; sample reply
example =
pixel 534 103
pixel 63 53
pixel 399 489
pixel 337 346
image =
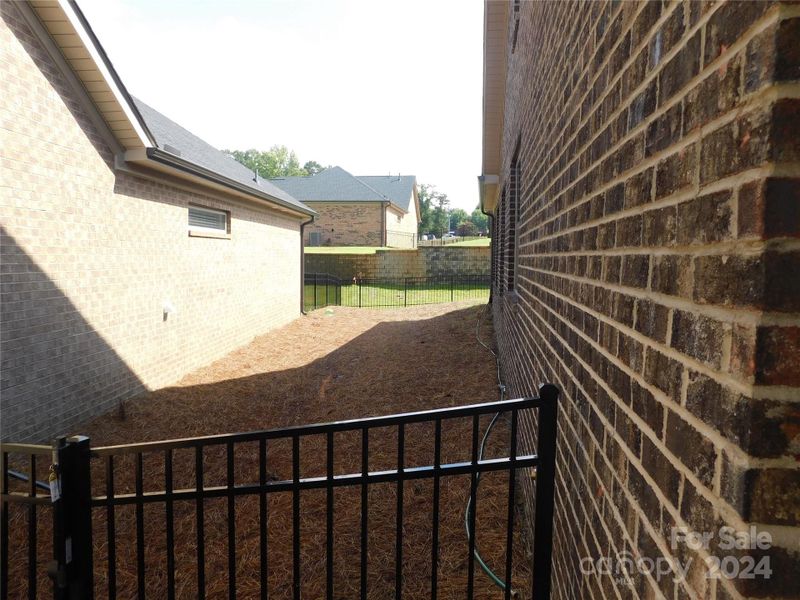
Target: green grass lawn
pixel 345 249
pixel 480 242
pixel 395 295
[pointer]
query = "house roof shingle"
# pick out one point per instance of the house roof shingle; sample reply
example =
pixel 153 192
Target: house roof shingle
pixel 172 137
pixel 337 185
pixel 398 188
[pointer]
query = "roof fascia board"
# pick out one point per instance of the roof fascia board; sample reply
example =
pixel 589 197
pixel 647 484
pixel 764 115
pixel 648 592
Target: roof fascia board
pixel 184 168
pixel 110 77
pixel 344 201
pixel 71 79
pixel 495 66
pixel 165 175
pixel 396 208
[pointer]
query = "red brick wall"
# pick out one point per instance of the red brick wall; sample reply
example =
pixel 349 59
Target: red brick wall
pixel 657 279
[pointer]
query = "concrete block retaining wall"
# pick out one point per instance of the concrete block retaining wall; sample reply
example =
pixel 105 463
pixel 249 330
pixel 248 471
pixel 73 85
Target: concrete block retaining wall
pixel 423 262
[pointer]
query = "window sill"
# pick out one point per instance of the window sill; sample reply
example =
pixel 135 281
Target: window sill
pixel 209 234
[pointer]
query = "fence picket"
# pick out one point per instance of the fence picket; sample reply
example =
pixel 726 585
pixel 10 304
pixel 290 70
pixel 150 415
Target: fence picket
pixel 73 509
pixel 387 292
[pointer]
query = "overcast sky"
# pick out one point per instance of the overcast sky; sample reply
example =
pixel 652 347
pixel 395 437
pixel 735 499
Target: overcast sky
pixel 374 86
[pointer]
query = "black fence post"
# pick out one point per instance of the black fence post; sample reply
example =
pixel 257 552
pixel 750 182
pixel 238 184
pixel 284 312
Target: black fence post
pixel 452 287
pixel 545 492
pixel 359 292
pixel 405 291
pixel 72 515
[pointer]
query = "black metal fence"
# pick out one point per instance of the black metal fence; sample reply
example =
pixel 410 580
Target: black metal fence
pixel 325 290
pixel 83 567
pixel 446 241
pixel 321 290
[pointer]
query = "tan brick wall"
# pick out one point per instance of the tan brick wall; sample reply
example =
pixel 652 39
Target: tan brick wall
pixel 656 280
pixel 89 255
pixel 401 228
pixel 347 223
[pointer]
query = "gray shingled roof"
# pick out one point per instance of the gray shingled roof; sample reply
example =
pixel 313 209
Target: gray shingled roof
pixel 399 188
pixel 337 185
pixel 331 185
pixel 195 150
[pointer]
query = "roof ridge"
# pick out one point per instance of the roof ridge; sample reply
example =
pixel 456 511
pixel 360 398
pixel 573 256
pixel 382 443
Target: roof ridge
pixel 369 187
pixel 366 185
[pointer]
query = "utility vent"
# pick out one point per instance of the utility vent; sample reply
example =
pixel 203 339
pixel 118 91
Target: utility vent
pixel 172 150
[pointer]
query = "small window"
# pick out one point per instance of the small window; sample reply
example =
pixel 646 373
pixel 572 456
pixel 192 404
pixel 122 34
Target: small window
pixel 208 221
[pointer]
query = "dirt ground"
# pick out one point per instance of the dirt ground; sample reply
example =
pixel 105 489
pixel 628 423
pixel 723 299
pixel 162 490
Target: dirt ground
pixel 333 364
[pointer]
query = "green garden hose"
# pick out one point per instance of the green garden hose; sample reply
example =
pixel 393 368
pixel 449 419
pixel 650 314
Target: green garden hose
pixel 467 513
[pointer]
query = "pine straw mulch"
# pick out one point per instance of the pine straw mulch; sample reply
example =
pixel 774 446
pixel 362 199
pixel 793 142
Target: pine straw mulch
pixel 333 364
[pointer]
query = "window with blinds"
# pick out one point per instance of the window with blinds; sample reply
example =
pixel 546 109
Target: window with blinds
pixel 208 219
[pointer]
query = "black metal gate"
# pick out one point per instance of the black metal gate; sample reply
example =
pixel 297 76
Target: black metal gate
pixel 66 503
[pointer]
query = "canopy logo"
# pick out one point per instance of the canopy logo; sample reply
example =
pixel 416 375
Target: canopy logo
pixel 725 550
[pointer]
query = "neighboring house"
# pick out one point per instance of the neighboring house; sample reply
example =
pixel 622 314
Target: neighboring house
pixel 132 251
pixel 642 167
pixel 357 211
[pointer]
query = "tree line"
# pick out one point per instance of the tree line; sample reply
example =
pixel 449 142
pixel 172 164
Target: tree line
pixel 278 161
pixel 436 215
pixel 437 218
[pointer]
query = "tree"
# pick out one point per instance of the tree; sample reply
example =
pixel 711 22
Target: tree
pixel 425 193
pixel 278 161
pixel 312 167
pixel 434 207
pixel 466 228
pixel 457 216
pixel 481 220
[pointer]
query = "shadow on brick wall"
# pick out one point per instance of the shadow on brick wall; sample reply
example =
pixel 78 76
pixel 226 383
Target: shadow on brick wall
pixel 57 371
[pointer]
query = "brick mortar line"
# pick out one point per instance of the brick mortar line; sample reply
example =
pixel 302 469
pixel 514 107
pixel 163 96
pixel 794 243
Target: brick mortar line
pixel 746 316
pixel 716 502
pixel 756 28
pixel 578 538
pixel 753 317
pixel 738 455
pixel 765 96
pixel 768 94
pixel 753 391
pixel 588 520
pixel 611 469
pixel 615 512
pixel 586 23
pixel 689 192
pixel 786 534
pixel 740 247
pixel 634 52
pixel 788 11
